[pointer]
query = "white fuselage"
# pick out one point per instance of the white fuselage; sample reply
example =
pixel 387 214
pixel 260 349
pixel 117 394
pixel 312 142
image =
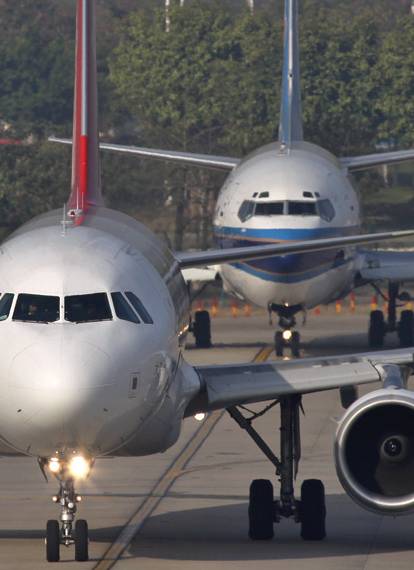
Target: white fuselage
pixel 273 174
pixel 111 386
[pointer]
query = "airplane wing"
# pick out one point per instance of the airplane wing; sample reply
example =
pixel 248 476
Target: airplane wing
pixel 228 385
pixel 353 163
pixel 185 158
pixel 231 255
pixel 201 274
pixel 387 265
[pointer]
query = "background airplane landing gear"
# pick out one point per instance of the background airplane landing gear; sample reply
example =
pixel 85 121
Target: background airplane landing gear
pixel 201 329
pixel 287 339
pixel 377 329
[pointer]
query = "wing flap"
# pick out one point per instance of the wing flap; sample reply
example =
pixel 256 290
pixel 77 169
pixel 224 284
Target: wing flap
pixel 231 255
pixel 185 158
pixel 353 163
pixel 230 385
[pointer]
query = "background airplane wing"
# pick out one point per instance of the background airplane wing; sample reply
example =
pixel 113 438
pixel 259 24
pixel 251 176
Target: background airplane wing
pixel 387 265
pixel 235 384
pixel 353 163
pixel 185 158
pixel 231 255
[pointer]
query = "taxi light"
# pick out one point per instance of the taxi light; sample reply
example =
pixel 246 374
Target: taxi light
pixel 199 417
pixel 54 465
pixel 287 335
pixel 79 467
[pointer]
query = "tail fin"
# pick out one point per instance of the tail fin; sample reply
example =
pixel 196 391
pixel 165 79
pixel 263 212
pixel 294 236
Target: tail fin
pixel 290 127
pixel 86 179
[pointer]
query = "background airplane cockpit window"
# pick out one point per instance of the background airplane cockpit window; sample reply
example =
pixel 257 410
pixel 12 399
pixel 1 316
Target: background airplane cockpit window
pixel 36 308
pixel 87 308
pixel 302 209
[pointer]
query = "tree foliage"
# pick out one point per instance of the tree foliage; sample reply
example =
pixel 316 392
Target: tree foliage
pixel 212 84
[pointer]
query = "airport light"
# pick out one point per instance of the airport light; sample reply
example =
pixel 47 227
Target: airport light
pixel 199 417
pixel 79 467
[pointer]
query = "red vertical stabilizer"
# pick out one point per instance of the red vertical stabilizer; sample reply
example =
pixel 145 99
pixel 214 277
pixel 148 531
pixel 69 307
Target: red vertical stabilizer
pixel 86 178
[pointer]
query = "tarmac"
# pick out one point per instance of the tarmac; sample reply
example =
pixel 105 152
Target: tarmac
pixel 187 508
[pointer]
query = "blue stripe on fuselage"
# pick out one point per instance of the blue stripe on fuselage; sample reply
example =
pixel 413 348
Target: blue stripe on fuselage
pixel 287 268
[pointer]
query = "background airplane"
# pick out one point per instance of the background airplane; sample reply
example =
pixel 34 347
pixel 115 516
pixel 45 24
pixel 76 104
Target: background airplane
pixel 95 309
pixel 287 191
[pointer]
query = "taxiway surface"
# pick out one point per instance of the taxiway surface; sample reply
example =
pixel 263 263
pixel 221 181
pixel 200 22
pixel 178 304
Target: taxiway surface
pixel 198 508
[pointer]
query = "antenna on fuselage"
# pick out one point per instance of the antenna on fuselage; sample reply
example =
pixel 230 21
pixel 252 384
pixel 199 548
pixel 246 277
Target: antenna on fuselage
pixel 290 126
pixel 86 178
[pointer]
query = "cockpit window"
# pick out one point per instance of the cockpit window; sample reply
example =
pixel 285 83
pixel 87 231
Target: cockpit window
pixel 123 309
pixel 139 307
pixel 269 209
pixel 36 308
pixel 302 208
pixel 326 210
pixel 87 308
pixel 246 210
pixel 5 305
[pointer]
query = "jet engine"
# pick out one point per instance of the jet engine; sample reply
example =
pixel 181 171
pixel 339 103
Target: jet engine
pixel 374 451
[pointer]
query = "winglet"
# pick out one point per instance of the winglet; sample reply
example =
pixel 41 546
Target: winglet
pixel 290 127
pixel 86 179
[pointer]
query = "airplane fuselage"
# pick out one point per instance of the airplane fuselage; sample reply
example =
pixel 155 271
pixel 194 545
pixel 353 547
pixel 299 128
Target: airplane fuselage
pixel 280 194
pixel 103 384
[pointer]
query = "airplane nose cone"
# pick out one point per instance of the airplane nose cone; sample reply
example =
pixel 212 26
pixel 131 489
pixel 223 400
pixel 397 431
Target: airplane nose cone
pixel 54 391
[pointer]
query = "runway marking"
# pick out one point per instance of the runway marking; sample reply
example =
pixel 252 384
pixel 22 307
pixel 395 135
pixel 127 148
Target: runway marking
pixel 159 491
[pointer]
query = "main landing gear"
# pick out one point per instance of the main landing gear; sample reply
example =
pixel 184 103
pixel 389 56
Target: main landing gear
pixel 264 511
pixel 68 532
pixel 379 327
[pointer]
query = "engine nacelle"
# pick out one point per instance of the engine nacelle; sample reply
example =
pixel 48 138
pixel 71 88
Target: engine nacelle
pixel 374 451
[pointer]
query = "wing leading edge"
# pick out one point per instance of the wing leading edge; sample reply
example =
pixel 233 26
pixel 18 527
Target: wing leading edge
pixel 232 255
pixel 185 158
pixel 235 384
pixel 353 163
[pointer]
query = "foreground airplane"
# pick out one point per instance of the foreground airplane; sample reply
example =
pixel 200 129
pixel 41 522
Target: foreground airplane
pixel 94 310
pixel 287 191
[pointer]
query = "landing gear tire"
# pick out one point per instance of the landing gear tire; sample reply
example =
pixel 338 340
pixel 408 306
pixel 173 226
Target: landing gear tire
pixel 295 344
pixel 261 510
pixel 376 331
pixel 312 510
pixel 406 328
pixel 81 541
pixel 279 343
pixel 52 541
pixel 202 329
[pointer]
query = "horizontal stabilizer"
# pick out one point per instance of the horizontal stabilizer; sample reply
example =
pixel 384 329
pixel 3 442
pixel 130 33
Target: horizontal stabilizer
pixel 234 384
pixel 353 163
pixel 232 255
pixel 184 158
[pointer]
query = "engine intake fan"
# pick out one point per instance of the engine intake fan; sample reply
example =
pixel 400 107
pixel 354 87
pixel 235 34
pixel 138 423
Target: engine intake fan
pixel 374 451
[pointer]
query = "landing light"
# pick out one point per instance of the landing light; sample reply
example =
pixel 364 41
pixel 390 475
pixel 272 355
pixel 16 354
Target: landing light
pixel 287 335
pixel 199 417
pixel 79 467
pixel 54 465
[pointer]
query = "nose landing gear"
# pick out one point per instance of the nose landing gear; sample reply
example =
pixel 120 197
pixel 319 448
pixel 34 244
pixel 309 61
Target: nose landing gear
pixel 68 532
pixel 287 338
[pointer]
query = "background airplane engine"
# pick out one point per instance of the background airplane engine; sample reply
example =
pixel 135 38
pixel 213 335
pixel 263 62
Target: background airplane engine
pixel 374 451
